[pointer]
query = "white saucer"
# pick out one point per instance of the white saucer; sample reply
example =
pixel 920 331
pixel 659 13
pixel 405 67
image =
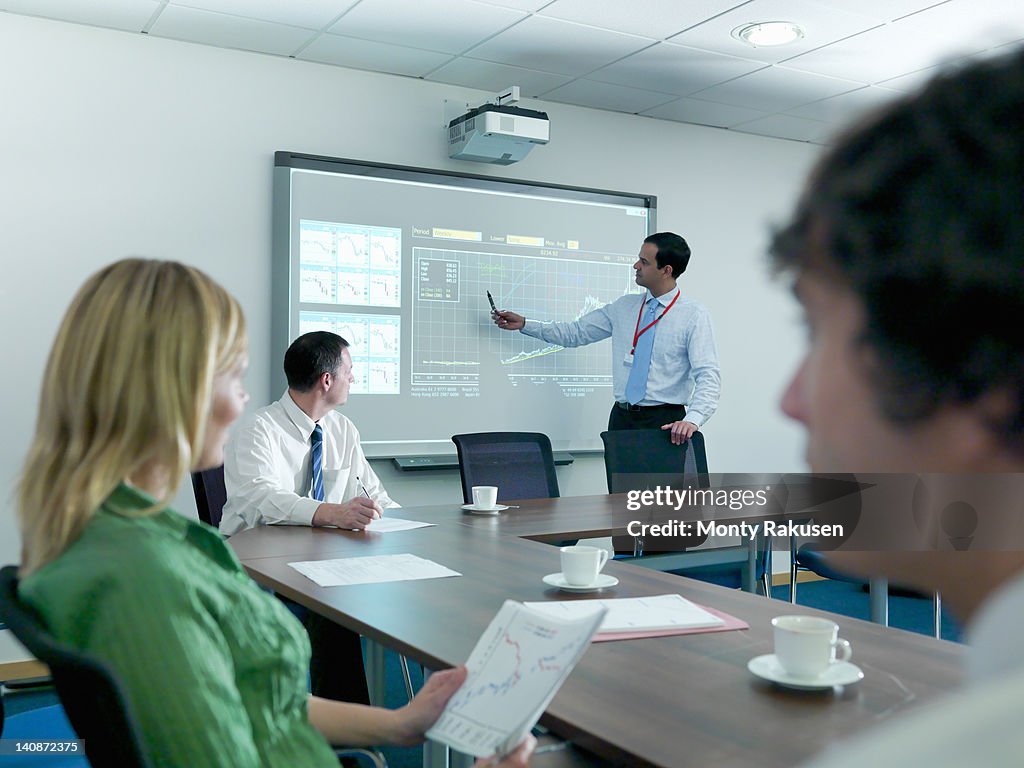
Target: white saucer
pixel 479 511
pixel 838 673
pixel 558 580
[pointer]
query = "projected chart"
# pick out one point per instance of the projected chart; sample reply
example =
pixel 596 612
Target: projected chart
pixel 375 347
pixel 349 264
pixel 452 333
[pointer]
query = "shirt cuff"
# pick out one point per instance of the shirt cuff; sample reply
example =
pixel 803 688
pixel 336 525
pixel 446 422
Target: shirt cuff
pixel 695 417
pixel 303 511
pixel 530 328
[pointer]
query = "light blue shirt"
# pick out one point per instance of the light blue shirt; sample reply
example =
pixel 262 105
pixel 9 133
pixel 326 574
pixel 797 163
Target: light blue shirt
pixel 684 362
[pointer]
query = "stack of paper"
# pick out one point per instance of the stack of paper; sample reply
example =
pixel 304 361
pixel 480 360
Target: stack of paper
pixel 371 570
pixel 636 614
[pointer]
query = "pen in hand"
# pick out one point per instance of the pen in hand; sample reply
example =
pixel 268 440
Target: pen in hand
pixel 366 493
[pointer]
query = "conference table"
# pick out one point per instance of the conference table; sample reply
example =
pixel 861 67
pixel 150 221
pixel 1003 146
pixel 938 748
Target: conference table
pixel 685 700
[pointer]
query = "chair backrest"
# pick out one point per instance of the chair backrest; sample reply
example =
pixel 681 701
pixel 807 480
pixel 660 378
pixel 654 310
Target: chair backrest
pixel 645 458
pixel 90 692
pixel 521 464
pixel 210 494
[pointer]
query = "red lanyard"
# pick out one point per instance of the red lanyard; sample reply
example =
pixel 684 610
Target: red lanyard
pixel 638 331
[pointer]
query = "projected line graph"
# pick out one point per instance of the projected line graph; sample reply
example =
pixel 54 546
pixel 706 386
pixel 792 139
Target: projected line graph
pixel 451 317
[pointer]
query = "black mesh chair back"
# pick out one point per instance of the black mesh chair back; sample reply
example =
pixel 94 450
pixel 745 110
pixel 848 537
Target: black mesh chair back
pixel 90 692
pixel 519 463
pixel 646 458
pixel 642 459
pixel 210 494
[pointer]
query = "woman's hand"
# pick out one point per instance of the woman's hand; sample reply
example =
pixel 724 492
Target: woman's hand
pixel 416 717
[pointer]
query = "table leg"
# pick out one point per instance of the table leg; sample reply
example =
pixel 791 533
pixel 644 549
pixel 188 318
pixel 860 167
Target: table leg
pixel 879 589
pixel 375 672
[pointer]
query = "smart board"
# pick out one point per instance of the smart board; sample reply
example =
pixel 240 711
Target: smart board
pixel 399 260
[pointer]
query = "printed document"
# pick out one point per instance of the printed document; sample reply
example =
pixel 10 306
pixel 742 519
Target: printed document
pixel 516 668
pixel 636 614
pixel 389 524
pixel 371 570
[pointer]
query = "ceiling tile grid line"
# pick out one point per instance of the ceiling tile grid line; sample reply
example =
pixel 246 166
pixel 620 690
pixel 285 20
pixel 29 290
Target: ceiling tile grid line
pixel 662 59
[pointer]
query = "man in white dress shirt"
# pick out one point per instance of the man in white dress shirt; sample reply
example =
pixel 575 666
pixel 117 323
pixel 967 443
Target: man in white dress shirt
pixel 298 462
pixel 907 249
pixel 664 362
pixel 268 464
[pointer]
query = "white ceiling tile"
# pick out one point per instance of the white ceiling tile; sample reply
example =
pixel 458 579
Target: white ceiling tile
pixel 652 18
pixel 617 98
pixel 312 14
pixel 704 113
pixel 450 26
pixel 936 36
pixel 788 127
pixel 488 76
pixel 675 69
pixel 522 5
pixel 367 54
pixel 776 90
pixel 228 31
pixel 557 46
pixel 117 14
pixel 882 10
pixel 821 25
pixel 845 107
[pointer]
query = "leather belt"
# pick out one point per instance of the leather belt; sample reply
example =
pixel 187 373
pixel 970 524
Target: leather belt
pixel 629 407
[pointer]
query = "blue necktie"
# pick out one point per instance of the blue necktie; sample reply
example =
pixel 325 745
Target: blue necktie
pixel 317 454
pixel 636 387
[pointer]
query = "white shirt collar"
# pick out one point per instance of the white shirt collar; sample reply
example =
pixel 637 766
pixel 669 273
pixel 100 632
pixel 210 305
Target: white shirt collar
pixel 665 299
pixel 297 416
pixel 993 639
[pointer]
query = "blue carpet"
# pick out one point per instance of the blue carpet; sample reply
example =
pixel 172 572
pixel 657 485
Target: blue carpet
pixel 910 613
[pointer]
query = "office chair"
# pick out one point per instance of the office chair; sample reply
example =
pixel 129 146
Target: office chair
pixel 211 495
pixel 89 690
pixel 645 458
pixel 806 558
pixel 519 463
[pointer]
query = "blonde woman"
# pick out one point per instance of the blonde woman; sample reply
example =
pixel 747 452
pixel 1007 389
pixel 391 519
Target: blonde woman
pixel 141 385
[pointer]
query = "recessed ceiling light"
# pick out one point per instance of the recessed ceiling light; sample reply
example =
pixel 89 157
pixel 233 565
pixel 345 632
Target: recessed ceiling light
pixel 766 33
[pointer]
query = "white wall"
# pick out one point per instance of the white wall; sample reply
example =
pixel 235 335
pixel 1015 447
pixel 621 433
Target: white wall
pixel 120 144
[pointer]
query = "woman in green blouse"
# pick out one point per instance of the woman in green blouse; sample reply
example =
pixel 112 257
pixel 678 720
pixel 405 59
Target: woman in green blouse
pixel 143 380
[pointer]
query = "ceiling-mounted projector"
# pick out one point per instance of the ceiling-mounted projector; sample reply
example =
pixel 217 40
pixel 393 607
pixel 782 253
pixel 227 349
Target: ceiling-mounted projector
pixel 497 133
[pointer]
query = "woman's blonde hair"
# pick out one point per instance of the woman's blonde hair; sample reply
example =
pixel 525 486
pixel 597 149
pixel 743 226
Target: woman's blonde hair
pixel 127 388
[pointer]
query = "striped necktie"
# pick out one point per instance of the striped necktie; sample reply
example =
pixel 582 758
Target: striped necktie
pixel 317 455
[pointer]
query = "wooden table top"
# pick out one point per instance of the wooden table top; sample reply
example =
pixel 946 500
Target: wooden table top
pixel 671 701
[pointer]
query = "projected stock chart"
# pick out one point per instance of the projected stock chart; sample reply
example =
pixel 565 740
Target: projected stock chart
pixel 450 304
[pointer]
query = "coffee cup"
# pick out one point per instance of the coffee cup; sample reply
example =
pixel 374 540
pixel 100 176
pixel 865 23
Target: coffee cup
pixel 581 564
pixel 806 646
pixel 485 496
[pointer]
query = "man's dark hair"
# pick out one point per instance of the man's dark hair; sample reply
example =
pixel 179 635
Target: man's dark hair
pixel 918 211
pixel 310 356
pixel 672 251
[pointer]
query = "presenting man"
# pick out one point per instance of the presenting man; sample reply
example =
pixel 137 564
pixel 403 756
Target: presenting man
pixel 298 462
pixel 907 250
pixel 664 362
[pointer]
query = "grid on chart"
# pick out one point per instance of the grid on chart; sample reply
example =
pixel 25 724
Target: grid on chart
pixel 452 330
